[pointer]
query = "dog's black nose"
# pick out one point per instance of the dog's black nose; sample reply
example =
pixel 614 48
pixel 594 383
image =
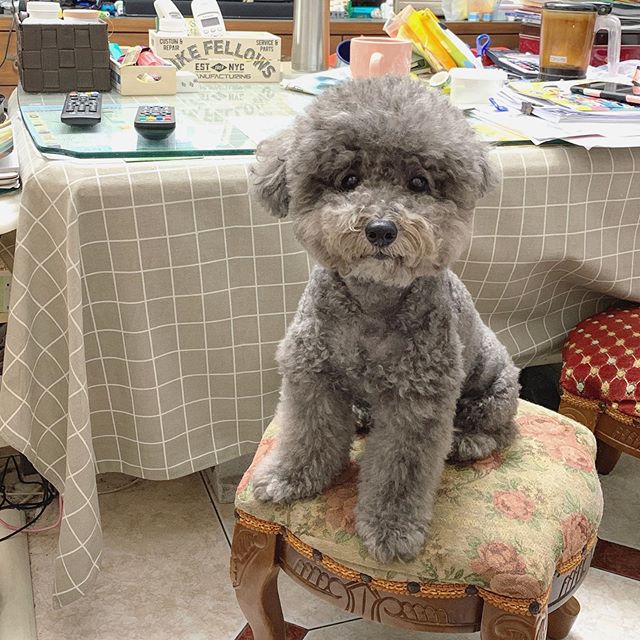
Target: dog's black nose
pixel 381 233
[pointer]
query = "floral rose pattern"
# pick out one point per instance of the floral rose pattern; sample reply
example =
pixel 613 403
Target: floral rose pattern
pixel 515 585
pixel 497 557
pixel 341 501
pixel 494 461
pixel 576 532
pixel 572 455
pixel 504 523
pixel 514 504
pixel 267 443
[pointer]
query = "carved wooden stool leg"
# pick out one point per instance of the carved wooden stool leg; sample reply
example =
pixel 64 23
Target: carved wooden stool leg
pixel 561 620
pixel 497 624
pixel 607 458
pixel 254 573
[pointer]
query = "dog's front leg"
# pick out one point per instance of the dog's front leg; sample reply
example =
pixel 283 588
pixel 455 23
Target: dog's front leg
pixel 317 426
pixel 401 470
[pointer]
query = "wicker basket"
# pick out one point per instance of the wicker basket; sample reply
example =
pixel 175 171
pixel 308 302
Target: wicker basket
pixel 63 57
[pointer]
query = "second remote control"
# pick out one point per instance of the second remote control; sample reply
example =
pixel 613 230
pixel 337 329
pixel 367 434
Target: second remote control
pixel 82 109
pixel 155 121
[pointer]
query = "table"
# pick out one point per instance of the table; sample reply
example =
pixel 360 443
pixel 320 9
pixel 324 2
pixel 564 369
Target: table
pixel 149 297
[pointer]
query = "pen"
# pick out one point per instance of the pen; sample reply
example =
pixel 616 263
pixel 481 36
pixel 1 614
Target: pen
pixel 636 77
pixel 496 106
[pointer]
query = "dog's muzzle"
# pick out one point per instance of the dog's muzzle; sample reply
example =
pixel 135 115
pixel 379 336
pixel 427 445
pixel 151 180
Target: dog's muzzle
pixel 381 233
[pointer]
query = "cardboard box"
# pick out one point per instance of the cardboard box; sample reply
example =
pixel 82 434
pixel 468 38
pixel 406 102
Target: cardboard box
pixel 239 56
pixel 135 80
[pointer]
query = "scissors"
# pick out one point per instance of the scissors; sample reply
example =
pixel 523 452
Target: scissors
pixel 482 44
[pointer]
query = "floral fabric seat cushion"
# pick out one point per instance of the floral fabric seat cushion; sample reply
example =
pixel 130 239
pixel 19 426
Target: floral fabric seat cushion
pixel 505 524
pixel 602 360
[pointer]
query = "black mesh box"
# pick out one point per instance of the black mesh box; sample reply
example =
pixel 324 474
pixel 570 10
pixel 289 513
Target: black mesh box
pixel 63 57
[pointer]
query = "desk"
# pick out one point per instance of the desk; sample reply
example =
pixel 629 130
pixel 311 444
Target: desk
pixel 149 297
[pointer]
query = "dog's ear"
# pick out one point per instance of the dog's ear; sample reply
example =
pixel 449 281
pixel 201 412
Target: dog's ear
pixel 488 173
pixel 269 173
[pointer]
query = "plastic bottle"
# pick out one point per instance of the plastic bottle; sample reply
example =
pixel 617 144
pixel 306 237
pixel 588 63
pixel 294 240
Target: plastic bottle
pixel 455 10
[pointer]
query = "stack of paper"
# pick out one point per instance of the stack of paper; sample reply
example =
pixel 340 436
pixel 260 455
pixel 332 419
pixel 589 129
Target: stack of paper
pixel 6 137
pixel 315 83
pixel 9 168
pixel 9 173
pixel 526 11
pixel 629 13
pixel 556 114
pixel 555 102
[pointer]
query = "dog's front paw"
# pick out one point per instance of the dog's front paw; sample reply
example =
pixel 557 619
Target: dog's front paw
pixel 391 541
pixel 468 447
pixel 273 483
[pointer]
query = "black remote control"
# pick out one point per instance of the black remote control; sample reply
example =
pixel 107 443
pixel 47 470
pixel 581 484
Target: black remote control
pixel 155 122
pixel 82 108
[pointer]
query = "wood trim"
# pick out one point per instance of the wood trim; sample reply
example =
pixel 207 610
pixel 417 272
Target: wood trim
pixel 254 575
pixel 617 558
pixel 456 615
pixel 257 554
pixel 348 28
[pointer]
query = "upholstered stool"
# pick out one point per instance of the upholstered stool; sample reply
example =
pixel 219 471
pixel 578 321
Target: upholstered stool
pixel 510 541
pixel 600 382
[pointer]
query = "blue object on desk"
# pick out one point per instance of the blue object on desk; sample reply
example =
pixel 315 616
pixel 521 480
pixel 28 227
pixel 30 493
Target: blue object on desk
pixel 496 106
pixel 482 44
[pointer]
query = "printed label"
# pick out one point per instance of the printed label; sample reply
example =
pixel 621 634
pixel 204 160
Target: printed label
pixel 560 59
pixel 243 58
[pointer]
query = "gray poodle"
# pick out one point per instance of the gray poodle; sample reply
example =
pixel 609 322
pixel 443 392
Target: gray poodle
pixel 380 177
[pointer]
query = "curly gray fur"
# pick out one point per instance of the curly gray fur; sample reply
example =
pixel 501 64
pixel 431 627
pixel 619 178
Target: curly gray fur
pixel 390 329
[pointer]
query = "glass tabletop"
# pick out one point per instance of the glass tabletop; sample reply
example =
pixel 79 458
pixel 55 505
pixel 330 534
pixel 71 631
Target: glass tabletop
pixel 221 119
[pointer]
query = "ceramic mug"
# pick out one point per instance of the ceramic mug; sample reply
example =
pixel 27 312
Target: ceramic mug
pixel 372 57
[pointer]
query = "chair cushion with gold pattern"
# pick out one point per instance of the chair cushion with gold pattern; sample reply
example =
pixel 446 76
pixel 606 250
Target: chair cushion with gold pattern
pixel 505 524
pixel 601 360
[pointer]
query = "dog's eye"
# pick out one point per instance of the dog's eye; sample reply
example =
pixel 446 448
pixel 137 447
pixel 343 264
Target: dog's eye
pixel 350 182
pixel 418 184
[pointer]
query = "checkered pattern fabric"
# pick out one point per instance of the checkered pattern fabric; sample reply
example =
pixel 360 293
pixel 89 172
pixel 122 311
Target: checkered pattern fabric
pixel 148 299
pixel 601 360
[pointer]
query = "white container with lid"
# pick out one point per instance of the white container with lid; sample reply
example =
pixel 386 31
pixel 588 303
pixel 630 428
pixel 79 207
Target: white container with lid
pixel 172 27
pixel 81 16
pixel 42 12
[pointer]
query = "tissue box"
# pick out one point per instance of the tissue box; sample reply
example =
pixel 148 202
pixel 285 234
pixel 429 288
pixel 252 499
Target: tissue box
pixel 238 56
pixel 63 57
pixel 134 80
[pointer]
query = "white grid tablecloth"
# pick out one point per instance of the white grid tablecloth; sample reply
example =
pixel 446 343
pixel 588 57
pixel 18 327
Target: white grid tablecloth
pixel 148 299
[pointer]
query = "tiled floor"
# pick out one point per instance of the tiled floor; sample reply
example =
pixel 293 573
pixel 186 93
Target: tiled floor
pixel 621 489
pixel 165 574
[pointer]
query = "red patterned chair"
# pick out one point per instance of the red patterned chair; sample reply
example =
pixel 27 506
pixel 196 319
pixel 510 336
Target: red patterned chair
pixel 510 541
pixel 600 382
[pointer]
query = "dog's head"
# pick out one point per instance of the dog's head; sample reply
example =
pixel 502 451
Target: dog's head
pixel 380 177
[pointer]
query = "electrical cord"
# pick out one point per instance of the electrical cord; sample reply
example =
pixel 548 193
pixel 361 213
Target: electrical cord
pixel 13 22
pixel 46 494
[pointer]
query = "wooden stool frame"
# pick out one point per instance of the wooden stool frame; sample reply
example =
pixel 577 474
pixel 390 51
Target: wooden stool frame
pixel 615 432
pixel 260 549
